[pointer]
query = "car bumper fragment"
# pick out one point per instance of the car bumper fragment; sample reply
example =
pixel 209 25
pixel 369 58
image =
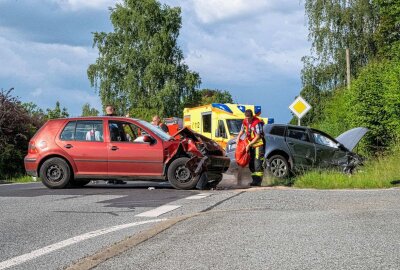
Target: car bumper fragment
pixel 197 165
pixel 217 163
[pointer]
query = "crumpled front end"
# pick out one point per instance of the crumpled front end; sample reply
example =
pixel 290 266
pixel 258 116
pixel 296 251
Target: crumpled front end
pixel 207 159
pixel 349 162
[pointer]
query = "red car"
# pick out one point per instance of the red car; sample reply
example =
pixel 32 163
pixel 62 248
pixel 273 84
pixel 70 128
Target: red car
pixel 73 151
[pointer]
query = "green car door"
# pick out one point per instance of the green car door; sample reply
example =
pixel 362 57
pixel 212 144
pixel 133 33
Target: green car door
pixel 301 147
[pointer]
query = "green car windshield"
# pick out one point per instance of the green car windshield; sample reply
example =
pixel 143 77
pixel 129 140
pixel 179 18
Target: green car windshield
pixel 234 126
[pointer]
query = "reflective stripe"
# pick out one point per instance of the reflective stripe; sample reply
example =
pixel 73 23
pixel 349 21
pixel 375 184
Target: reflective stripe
pixel 257 174
pixel 257 144
pixel 251 134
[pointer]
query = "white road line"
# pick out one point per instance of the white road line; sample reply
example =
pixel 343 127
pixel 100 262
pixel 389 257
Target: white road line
pixel 158 211
pixel 45 250
pixel 198 196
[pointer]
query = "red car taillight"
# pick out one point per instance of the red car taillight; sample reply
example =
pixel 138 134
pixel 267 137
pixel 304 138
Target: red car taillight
pixel 32 148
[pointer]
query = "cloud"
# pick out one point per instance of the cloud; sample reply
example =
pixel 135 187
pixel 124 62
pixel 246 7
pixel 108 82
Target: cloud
pixel 37 92
pixel 75 5
pixel 44 73
pixel 51 21
pixel 244 49
pixel 210 11
pixel 251 48
pixel 213 11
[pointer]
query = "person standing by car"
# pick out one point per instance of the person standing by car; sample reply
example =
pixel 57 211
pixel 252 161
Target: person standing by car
pixel 110 111
pixel 157 122
pixel 252 127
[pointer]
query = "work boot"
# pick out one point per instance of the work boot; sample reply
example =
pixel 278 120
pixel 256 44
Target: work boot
pixel 256 181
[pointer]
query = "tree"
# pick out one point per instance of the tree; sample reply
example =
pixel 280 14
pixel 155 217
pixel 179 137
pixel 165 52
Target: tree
pixel 57 112
pixel 37 116
pixel 388 32
pixel 208 96
pixel 88 111
pixel 334 26
pixel 140 68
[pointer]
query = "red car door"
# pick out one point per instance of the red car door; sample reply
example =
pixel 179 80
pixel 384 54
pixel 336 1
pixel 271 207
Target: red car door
pixel 129 155
pixel 83 142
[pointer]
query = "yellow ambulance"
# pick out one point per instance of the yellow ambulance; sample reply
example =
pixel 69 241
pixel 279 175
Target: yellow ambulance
pixel 219 122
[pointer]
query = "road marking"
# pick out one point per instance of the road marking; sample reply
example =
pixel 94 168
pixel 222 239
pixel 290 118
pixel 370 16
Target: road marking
pixel 198 196
pixel 158 211
pixel 45 250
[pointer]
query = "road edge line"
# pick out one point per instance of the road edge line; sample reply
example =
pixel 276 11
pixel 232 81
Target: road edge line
pixel 120 247
pixel 128 243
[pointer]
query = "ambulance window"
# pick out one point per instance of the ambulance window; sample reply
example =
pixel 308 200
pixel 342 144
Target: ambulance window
pixel 221 132
pixel 206 123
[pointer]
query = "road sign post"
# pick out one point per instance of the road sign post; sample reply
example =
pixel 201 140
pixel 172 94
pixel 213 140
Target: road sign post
pixel 300 107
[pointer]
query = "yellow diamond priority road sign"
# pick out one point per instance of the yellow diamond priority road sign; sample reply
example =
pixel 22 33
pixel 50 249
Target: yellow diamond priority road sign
pixel 300 107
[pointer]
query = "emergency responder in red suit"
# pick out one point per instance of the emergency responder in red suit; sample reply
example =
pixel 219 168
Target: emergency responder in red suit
pixel 252 128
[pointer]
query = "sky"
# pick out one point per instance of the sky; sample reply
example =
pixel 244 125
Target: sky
pixel 251 48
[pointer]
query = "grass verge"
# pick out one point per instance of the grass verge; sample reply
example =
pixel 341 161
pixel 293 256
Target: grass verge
pixel 19 179
pixel 382 172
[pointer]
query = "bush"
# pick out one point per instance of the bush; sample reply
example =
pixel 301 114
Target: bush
pixel 376 105
pixel 373 101
pixel 16 128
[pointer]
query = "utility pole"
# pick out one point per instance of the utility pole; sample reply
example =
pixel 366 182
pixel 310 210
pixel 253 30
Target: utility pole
pixel 348 67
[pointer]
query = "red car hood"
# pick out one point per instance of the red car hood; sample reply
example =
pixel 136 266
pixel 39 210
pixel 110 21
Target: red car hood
pixel 211 146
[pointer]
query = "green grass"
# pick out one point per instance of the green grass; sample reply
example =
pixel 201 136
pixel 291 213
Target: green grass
pixel 381 172
pixel 19 179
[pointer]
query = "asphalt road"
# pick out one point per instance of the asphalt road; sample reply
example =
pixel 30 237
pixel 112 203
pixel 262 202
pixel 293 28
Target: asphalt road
pixel 279 229
pixel 33 217
pixel 221 229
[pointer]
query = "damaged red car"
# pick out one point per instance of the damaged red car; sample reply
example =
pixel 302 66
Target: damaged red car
pixel 74 151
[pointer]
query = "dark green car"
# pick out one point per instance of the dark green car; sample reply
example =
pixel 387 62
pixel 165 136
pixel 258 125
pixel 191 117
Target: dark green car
pixel 291 148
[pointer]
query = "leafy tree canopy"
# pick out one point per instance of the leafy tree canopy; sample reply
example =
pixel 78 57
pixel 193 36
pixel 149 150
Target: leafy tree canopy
pixel 388 32
pixel 140 67
pixel 208 96
pixel 57 112
pixel 88 111
pixel 334 26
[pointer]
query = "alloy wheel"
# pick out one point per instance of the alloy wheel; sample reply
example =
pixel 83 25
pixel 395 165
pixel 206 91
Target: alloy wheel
pixel 278 167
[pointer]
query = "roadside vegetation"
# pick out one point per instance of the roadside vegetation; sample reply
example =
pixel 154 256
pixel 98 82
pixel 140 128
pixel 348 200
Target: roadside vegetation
pixel 380 172
pixel 19 179
pixel 373 98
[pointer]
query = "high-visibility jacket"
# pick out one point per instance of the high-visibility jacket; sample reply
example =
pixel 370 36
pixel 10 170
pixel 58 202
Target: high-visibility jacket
pixel 249 129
